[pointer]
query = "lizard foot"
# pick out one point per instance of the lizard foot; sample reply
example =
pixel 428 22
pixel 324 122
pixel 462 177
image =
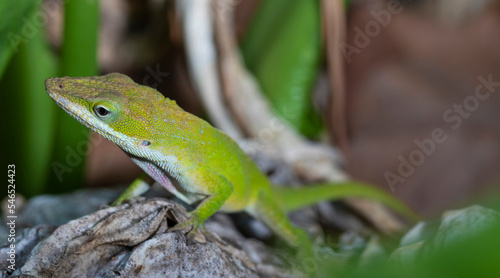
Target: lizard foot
pixel 190 226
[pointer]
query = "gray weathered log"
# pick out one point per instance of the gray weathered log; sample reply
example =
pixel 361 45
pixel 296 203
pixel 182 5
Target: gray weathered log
pixel 133 240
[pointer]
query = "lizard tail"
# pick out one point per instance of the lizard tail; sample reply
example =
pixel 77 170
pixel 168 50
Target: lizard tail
pixel 292 198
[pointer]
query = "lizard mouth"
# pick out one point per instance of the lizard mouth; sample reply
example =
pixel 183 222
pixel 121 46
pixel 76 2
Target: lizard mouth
pixel 71 108
pixel 54 88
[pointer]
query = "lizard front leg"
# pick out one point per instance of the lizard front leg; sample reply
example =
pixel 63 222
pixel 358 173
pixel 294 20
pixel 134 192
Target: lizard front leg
pixel 136 188
pixel 217 190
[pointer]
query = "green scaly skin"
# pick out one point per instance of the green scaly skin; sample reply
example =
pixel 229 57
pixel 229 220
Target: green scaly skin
pixel 189 157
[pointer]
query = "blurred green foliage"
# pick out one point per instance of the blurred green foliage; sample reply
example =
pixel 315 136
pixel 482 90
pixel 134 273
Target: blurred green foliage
pixel 13 16
pixel 78 58
pixel 37 134
pixel 477 256
pixel 283 50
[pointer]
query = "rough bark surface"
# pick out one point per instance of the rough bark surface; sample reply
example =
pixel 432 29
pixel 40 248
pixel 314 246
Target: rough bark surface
pixel 133 240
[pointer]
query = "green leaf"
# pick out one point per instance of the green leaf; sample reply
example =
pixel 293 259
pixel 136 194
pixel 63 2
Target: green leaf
pixel 17 26
pixel 476 255
pixel 27 111
pixel 283 50
pixel 78 58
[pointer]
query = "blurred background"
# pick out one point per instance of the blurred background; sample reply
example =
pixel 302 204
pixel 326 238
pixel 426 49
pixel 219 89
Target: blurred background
pixel 407 90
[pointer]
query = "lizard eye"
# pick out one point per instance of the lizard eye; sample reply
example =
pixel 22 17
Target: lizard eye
pixel 101 111
pixel 105 111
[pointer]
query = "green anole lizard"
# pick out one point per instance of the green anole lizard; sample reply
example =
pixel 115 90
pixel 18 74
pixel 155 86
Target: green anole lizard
pixel 193 160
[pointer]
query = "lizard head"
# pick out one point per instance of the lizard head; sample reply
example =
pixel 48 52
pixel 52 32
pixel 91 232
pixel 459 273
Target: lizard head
pixel 114 106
